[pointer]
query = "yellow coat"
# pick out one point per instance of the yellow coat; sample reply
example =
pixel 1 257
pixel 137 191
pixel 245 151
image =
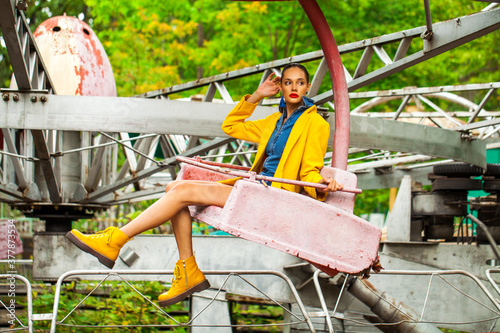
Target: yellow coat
pixel 304 151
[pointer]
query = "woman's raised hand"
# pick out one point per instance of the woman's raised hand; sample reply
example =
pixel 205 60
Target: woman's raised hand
pixel 268 88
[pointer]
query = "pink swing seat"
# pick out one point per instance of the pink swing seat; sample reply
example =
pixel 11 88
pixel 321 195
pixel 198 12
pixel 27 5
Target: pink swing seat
pixel 326 234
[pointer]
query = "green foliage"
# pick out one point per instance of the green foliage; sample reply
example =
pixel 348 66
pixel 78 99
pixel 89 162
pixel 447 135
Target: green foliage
pixel 257 314
pixel 122 216
pixel 5 68
pixel 155 45
pixel 41 10
pixel 372 201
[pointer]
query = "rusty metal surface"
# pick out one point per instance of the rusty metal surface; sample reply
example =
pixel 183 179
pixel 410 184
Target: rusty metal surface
pixel 75 57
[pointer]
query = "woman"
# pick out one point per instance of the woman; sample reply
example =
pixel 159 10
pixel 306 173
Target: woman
pixel 292 145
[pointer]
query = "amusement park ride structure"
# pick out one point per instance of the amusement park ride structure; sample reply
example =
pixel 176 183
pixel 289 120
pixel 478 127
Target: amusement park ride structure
pixel 59 163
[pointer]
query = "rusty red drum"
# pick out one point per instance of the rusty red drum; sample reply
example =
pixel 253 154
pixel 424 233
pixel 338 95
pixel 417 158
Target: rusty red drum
pixel 75 58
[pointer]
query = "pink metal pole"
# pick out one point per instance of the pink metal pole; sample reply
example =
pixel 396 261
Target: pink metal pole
pixel 339 83
pixel 219 167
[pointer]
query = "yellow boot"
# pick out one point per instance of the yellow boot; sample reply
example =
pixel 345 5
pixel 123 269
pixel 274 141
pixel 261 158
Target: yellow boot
pixel 187 279
pixel 104 245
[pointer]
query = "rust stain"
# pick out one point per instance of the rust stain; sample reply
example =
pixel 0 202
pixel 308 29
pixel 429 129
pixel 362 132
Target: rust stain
pixel 71 46
pixel 91 38
pixel 82 73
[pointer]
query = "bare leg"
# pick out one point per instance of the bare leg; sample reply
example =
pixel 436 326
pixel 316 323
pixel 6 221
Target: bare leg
pixel 172 206
pixel 181 223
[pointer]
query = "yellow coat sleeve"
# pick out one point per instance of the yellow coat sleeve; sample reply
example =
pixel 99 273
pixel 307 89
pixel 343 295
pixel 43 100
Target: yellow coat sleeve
pixel 235 125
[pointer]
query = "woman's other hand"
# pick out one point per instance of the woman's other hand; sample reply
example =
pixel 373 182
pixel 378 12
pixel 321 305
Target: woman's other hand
pixel 332 185
pixel 268 88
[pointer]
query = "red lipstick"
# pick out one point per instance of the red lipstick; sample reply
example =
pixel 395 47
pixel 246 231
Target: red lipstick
pixel 294 95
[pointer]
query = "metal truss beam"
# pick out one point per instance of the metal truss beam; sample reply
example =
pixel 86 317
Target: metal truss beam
pixel 46 162
pixel 204 119
pixel 417 139
pixel 94 173
pixel 479 124
pixel 232 75
pixel 30 73
pixel 18 167
pixel 443 92
pixel 152 193
pixel 11 193
pixel 154 169
pixel 446 36
pixel 424 90
pixel 388 176
pixel 29 68
pixel 430 114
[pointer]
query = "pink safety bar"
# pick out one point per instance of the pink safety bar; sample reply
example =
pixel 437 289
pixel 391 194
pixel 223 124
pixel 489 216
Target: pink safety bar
pixel 326 234
pixel 219 167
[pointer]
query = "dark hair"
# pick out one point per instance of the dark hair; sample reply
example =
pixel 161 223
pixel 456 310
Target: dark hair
pixel 297 65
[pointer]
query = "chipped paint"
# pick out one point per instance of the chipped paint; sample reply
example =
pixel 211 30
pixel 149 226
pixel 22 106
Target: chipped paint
pixel 75 58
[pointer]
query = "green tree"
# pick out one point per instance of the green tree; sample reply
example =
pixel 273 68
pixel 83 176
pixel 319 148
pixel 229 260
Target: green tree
pixel 155 45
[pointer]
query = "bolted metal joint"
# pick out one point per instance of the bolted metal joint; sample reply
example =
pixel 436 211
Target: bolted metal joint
pixel 15 97
pixel 33 99
pixel 468 137
pixel 5 97
pixel 21 5
pixel 43 99
pixel 427 35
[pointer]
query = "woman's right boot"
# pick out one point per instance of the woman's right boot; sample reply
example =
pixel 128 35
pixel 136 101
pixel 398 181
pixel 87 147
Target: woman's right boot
pixel 187 279
pixel 104 245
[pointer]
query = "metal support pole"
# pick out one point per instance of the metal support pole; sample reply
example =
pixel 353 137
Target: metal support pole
pixel 406 99
pixel 339 83
pixel 29 297
pixel 493 283
pixel 118 273
pixel 427 35
pixel 493 244
pixel 481 106
pixel 447 272
pixel 328 319
pixel 389 309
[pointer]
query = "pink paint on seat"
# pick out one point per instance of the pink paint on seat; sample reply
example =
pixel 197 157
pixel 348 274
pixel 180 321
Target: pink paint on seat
pixel 339 199
pixel 329 237
pixel 190 172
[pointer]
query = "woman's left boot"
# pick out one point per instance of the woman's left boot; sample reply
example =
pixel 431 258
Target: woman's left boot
pixel 187 279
